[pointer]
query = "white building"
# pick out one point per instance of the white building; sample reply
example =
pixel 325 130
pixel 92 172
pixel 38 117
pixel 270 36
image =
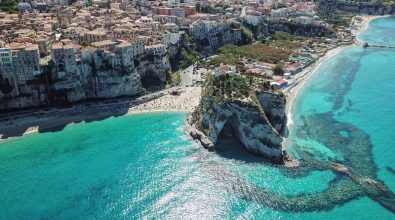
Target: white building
pixel 157 49
pixel 172 3
pixel 5 57
pixel 225 69
pixel 65 57
pixel 124 52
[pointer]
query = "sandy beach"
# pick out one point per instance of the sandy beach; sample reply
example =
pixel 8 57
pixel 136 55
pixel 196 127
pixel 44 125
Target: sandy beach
pixel 300 79
pixel 364 25
pixel 185 102
pixel 57 118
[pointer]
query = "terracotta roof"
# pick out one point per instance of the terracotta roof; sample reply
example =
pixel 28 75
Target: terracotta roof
pixel 224 69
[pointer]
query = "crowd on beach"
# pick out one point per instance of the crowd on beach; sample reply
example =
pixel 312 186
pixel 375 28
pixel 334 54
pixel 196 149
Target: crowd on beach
pixel 185 101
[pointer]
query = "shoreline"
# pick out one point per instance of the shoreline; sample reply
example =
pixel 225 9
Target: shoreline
pixel 48 120
pixel 300 80
pixel 365 24
pixel 56 119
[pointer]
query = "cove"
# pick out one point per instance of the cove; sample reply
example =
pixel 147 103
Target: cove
pixel 141 166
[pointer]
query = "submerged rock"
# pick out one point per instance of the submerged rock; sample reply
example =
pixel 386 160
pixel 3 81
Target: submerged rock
pixel 230 107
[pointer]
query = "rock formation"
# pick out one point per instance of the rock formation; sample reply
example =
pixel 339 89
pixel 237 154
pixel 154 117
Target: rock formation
pixel 230 107
pixel 90 81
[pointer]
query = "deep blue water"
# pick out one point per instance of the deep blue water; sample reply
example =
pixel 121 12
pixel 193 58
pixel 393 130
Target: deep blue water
pixel 141 166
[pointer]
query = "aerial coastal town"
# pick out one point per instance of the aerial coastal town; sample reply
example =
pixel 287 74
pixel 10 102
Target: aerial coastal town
pixel 64 53
pixel 197 109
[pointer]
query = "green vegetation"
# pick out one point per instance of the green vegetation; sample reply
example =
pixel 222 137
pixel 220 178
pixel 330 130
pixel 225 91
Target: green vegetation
pixel 234 89
pixel 232 55
pixel 88 3
pixel 339 18
pixel 278 70
pixel 333 16
pixel 246 35
pixel 10 6
pixel 175 78
pixel 285 41
pixel 227 87
pixel 188 57
pixel 5 85
pixel 85 43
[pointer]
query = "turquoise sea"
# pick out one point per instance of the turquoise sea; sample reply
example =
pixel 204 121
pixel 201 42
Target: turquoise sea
pixel 141 166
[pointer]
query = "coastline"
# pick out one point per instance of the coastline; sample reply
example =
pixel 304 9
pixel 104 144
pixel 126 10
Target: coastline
pixel 56 119
pixel 365 24
pixel 300 79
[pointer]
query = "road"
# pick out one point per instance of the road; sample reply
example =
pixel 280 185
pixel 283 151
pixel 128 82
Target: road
pixel 187 76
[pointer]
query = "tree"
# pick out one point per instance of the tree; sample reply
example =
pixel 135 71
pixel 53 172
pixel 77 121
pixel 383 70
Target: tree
pixel 278 70
pixel 85 43
pixel 5 86
pixel 198 7
pixel 88 3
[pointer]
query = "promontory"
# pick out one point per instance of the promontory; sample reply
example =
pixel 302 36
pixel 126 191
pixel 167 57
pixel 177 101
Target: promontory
pixel 232 105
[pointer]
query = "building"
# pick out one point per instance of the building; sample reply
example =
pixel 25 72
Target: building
pixel 95 35
pixel 156 50
pixel 5 58
pixel 45 42
pixel 225 69
pixel 105 45
pixel 172 3
pixel 138 46
pixel 24 6
pixel 279 84
pixel 124 55
pixel 189 10
pixel 25 60
pixel 65 57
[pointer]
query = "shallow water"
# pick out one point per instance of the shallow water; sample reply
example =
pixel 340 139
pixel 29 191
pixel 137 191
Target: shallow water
pixel 142 166
pixel 381 32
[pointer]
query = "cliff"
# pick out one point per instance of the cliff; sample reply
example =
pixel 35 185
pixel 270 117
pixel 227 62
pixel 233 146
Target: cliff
pixel 89 81
pixel 153 70
pixel 230 107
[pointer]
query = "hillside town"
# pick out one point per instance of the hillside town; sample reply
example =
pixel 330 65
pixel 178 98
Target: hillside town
pixel 55 53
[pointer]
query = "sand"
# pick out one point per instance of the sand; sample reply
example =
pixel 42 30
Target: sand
pixel 185 102
pixel 57 118
pixel 303 77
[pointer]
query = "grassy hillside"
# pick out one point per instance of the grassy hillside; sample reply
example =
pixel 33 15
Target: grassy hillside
pixel 231 54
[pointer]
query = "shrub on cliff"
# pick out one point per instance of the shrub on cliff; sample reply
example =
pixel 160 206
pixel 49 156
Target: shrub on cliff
pixel 232 55
pixel 10 6
pixel 227 87
pixel 5 86
pixel 188 57
pixel 175 78
pixel 247 36
pixel 278 70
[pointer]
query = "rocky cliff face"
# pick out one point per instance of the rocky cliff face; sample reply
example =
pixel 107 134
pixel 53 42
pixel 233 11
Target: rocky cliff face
pixel 110 84
pixel 153 70
pixel 274 108
pixel 150 72
pixel 241 115
pixel 32 96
